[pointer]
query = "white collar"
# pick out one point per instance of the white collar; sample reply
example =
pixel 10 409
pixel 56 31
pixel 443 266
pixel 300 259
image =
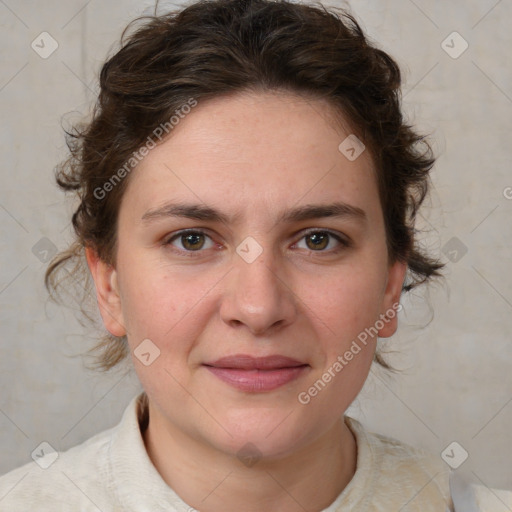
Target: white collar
pixel 139 486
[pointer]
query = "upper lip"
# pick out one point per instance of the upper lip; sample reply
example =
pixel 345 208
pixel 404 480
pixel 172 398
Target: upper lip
pixel 247 362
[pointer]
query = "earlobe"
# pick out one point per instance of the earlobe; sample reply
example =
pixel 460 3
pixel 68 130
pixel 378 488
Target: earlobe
pixel 391 302
pixel 107 292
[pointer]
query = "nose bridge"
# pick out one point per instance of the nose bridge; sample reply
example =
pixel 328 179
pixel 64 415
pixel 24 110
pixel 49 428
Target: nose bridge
pixel 258 297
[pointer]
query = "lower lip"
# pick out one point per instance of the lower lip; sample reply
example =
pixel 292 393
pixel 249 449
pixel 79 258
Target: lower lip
pixel 258 380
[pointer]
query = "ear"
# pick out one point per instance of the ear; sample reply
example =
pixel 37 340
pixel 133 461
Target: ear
pixel 391 302
pixel 107 292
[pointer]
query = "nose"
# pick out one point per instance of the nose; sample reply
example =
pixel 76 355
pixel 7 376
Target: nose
pixel 259 296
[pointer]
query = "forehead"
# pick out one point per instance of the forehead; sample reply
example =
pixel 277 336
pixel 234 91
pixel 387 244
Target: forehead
pixel 254 150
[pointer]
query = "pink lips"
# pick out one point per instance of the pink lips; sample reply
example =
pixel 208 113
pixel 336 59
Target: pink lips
pixel 255 374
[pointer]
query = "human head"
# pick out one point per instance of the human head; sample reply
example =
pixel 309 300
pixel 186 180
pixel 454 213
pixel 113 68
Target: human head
pixel 216 48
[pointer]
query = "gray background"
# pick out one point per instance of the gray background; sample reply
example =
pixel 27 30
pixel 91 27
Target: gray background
pixel 454 340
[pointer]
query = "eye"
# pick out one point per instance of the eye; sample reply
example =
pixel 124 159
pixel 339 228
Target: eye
pixel 194 240
pixel 190 240
pixel 319 240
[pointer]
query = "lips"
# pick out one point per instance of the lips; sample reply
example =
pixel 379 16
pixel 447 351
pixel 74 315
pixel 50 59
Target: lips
pixel 247 362
pixel 257 374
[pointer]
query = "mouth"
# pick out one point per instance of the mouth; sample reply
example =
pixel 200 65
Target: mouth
pixel 257 374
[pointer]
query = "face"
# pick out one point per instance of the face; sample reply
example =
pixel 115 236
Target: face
pixel 278 248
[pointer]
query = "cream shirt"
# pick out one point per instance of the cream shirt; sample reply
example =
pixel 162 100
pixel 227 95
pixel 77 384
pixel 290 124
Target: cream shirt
pixel 112 472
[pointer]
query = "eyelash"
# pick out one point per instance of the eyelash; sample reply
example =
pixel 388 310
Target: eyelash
pixel 344 242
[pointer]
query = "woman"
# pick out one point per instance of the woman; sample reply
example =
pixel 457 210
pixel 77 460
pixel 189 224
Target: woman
pixel 248 189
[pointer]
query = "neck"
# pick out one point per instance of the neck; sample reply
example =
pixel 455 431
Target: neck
pixel 210 480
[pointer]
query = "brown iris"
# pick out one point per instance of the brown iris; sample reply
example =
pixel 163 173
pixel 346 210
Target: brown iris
pixel 319 240
pixel 192 241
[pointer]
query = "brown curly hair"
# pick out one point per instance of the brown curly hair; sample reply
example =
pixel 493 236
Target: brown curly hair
pixel 213 48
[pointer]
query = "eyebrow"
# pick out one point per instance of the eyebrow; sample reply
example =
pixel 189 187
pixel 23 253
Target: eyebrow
pixel 301 213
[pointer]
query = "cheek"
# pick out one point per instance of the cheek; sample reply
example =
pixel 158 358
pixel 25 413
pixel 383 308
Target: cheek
pixel 343 312
pixel 349 301
pixel 171 310
pixel 159 301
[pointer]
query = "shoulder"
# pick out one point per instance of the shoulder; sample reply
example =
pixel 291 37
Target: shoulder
pixel 401 475
pixel 470 495
pixel 492 500
pixel 429 480
pixel 80 476
pixel 52 478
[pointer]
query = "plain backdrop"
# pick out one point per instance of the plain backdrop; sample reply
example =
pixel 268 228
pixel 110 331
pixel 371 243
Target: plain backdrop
pixel 453 344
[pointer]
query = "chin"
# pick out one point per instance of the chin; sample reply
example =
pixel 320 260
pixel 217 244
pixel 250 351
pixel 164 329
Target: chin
pixel 261 438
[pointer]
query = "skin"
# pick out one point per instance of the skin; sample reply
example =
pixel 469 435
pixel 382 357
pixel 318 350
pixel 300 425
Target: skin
pixel 255 155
